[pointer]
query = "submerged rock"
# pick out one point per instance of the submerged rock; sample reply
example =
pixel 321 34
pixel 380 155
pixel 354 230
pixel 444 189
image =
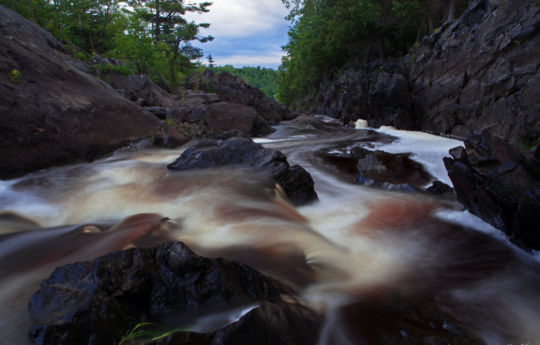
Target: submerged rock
pixel 497 183
pixel 244 153
pixel 100 301
pixel 389 171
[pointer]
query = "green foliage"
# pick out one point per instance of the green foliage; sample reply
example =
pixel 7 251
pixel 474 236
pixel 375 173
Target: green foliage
pixel 151 36
pixel 147 331
pixel 15 76
pixel 528 144
pixel 125 69
pixel 264 79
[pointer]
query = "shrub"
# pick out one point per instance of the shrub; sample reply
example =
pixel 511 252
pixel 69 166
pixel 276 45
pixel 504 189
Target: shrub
pixel 15 76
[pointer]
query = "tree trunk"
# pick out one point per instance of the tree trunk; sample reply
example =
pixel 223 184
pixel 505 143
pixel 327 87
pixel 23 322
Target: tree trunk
pixel 31 11
pixel 451 10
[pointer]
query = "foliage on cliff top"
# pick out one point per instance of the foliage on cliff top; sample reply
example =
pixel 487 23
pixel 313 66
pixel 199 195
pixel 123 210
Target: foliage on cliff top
pixel 151 36
pixel 325 34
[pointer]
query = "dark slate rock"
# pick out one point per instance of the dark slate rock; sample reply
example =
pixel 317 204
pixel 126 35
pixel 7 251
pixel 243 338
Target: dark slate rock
pixel 377 92
pixel 268 324
pixel 481 73
pixel 244 153
pixel 495 183
pixel 225 116
pixel 439 188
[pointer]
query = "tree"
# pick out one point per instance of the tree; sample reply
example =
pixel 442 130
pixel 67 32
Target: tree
pixel 210 61
pixel 168 26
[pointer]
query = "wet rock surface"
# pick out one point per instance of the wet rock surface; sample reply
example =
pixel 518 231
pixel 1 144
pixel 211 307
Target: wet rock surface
pixel 390 320
pixel 268 324
pixel 244 153
pixel 53 113
pixel 380 169
pixel 500 185
pixel 100 301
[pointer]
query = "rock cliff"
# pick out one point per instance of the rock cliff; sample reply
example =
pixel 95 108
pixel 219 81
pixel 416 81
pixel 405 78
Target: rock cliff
pixel 479 72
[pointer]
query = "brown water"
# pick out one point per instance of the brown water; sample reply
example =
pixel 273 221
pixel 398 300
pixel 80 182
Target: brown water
pixel 354 250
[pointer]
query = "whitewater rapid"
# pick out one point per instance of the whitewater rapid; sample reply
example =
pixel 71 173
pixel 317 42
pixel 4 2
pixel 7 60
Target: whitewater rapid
pixel 354 242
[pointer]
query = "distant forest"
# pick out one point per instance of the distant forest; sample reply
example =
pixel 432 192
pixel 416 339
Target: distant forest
pixel 264 79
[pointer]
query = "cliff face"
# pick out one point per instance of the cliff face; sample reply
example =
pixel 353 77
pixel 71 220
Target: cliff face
pixel 377 92
pixel 478 72
pixel 482 72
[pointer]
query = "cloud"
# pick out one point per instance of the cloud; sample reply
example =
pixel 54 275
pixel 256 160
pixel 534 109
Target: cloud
pixel 242 18
pixel 271 59
pixel 246 32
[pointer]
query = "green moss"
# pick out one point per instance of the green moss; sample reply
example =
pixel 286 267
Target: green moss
pixel 528 144
pixel 15 76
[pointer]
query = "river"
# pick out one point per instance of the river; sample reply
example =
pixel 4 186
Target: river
pixel 350 250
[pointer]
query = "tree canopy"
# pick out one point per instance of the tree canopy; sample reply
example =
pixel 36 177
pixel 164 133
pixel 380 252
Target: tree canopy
pixel 325 34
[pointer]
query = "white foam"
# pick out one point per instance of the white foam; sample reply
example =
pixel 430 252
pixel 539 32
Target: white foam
pixel 361 123
pixel 427 149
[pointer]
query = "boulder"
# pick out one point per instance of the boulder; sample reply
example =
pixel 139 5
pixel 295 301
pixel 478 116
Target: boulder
pixel 498 184
pixel 53 113
pixel 138 88
pixel 394 168
pixel 440 188
pixel 233 89
pixel 224 116
pixel 245 154
pixel 100 301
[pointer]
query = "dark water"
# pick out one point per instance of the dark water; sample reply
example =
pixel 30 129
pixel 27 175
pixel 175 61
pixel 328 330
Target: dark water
pixel 356 254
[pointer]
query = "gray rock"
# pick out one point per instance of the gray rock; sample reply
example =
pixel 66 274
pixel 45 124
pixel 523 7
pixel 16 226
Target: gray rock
pixel 54 113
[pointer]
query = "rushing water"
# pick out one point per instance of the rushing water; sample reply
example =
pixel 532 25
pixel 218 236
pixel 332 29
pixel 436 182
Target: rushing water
pixel 353 248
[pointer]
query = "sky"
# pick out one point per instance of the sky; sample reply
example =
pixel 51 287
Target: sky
pixel 246 32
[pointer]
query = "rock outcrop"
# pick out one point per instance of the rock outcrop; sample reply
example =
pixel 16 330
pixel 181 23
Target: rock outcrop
pixel 245 154
pixel 139 89
pixel 377 92
pixel 100 301
pixel 500 185
pixel 481 72
pixel 234 89
pixel 53 113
